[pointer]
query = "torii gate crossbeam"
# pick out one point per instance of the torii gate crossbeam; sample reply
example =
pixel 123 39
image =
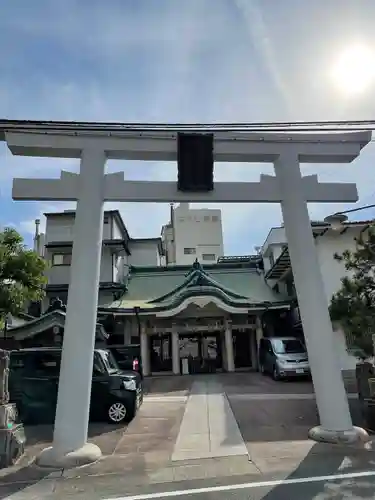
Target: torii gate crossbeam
pixel 92 187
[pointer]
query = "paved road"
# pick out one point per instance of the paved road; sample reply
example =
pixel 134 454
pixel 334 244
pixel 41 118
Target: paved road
pixel 357 486
pixel 345 489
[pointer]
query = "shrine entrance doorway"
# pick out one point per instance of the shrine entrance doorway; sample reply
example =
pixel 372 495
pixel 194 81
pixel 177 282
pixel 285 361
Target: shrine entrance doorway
pixel 201 351
pixel 242 349
pixel 161 353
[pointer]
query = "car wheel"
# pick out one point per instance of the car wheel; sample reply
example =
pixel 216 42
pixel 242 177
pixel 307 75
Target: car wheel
pixel 275 373
pixel 117 413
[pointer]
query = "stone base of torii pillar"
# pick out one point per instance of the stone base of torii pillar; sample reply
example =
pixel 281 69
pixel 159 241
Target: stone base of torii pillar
pixel 355 435
pixel 52 458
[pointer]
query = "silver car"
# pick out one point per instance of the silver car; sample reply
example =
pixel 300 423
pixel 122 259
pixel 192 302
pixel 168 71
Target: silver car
pixel 283 357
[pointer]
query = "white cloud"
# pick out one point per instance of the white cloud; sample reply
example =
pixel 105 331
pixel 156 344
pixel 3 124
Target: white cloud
pixel 28 227
pixel 177 62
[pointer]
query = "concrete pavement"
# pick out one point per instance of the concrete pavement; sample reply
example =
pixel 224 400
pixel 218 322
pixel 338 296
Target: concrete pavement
pixel 209 428
pixel 243 435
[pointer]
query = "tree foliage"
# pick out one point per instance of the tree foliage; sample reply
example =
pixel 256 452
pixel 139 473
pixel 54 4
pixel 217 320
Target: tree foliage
pixel 353 305
pixel 22 276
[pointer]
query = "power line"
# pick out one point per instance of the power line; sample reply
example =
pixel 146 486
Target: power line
pixel 355 209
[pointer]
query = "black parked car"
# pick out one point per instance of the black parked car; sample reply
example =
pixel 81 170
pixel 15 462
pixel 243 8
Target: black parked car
pixel 33 383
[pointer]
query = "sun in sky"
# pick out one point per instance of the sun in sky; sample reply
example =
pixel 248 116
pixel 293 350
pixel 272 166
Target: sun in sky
pixel 353 72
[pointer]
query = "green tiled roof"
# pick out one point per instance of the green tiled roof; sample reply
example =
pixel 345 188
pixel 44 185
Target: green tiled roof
pixel 164 288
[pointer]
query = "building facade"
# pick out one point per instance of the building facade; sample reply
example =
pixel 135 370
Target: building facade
pixel 328 242
pixel 212 313
pixel 193 234
pixel 119 252
pixel 191 319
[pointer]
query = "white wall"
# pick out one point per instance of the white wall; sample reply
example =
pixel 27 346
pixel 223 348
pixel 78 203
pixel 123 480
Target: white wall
pixel 332 270
pixel 275 236
pixel 199 229
pixel 273 246
pixel 347 361
pixel 116 231
pixel 144 253
pixel 110 269
pixel 60 228
pixel 168 244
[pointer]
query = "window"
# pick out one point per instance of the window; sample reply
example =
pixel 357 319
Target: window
pixel 208 256
pixel 63 296
pixel 189 251
pixel 108 360
pixel 207 218
pixel 16 362
pixel 61 259
pixel 47 363
pixel 215 218
pixel 288 346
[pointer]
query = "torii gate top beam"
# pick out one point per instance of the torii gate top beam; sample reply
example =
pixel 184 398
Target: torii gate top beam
pixel 67 140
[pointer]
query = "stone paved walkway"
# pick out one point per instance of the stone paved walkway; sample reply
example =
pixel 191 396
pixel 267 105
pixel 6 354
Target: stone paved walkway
pixel 209 428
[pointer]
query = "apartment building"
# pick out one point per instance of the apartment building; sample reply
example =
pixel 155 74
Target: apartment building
pixel 193 234
pixel 119 252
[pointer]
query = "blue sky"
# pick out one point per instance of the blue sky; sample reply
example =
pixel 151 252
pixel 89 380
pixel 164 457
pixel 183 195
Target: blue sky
pixel 176 61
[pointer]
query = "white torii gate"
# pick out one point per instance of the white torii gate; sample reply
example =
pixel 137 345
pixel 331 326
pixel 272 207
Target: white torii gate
pixel 92 187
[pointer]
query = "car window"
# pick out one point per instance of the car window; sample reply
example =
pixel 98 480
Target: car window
pixel 17 362
pixel 109 361
pixel 98 367
pixel 267 345
pixel 47 363
pixel 288 346
pixel 125 353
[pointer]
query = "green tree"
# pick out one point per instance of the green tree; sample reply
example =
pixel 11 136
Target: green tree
pixel 353 305
pixel 22 277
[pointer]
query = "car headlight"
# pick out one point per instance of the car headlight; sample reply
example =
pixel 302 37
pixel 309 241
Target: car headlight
pixel 130 385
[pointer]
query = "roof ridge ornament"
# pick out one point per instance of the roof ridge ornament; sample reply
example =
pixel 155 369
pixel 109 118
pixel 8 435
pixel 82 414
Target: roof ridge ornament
pixel 197 266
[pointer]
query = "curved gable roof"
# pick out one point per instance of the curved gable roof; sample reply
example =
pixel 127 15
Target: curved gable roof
pixel 45 322
pixel 156 289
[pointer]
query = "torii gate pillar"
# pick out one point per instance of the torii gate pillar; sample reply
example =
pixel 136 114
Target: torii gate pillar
pixel 92 187
pixel 332 402
pixel 70 446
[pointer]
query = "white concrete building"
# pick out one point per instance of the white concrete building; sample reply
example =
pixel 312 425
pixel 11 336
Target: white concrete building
pixel 193 233
pixel 328 242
